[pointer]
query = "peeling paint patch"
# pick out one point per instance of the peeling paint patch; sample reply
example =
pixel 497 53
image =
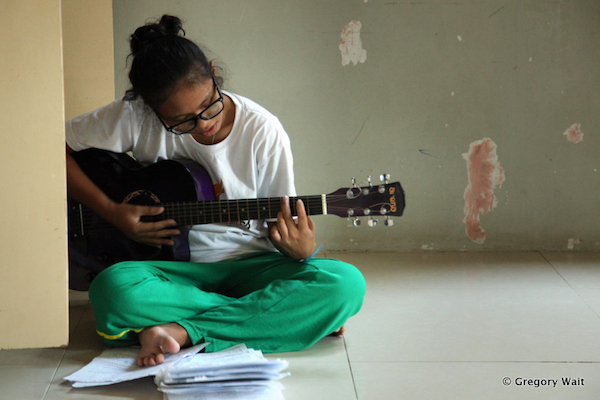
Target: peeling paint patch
pixel 574 134
pixel 572 242
pixel 351 45
pixel 485 173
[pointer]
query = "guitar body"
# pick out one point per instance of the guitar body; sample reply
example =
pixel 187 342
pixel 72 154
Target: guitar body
pixel 124 180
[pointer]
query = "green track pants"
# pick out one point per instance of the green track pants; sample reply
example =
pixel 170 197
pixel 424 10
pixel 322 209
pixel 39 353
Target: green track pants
pixel 269 302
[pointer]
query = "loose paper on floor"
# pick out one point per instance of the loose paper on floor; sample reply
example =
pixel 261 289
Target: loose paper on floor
pixel 235 373
pixel 119 365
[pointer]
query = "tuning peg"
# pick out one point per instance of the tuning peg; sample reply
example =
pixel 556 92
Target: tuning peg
pixel 372 222
pixel 370 181
pixel 356 222
pixel 385 178
pixel 350 194
pixel 388 221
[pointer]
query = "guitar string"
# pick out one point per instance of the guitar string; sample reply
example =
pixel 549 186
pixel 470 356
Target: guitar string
pixel 189 211
pixel 210 213
pixel 192 209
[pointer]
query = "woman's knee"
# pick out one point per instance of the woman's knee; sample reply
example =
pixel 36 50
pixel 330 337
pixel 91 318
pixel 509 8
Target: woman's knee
pixel 112 285
pixel 345 284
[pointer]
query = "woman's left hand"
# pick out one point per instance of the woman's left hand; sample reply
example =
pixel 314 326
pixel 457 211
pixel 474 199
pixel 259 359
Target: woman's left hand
pixel 293 237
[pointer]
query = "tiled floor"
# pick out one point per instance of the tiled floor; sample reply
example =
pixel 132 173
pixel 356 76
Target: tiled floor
pixel 433 326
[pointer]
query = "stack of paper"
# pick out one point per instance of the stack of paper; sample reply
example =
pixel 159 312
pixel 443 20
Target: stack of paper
pixel 236 373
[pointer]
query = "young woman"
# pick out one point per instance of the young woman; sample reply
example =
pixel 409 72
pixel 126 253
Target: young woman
pixel 248 282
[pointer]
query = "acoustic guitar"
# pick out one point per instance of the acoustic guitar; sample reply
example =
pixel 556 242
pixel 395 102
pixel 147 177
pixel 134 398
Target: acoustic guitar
pixel 185 190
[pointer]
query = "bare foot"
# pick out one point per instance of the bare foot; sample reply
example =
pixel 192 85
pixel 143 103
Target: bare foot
pixel 339 332
pixel 159 340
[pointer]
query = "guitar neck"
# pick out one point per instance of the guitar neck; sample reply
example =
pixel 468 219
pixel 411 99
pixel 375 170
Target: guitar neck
pixel 209 212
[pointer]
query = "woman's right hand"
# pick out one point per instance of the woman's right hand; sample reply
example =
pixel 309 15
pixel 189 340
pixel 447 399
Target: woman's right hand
pixel 127 218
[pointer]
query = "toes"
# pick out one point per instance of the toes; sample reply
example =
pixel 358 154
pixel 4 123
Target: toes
pixel 339 332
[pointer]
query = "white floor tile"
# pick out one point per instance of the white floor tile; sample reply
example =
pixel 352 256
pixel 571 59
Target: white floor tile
pixel 318 381
pixel 326 351
pixel 476 381
pixel 25 382
pixel 141 389
pixel 474 325
pixel 428 270
pixel 40 358
pixel 592 298
pixel 580 270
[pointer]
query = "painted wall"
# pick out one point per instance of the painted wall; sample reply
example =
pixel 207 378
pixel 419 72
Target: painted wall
pixel 468 104
pixel 33 241
pixel 88 54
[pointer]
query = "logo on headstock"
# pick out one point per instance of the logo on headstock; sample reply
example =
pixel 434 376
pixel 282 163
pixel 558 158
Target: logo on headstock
pixel 393 199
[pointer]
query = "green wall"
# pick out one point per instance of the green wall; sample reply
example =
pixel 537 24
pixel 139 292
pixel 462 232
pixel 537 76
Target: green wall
pixel 438 76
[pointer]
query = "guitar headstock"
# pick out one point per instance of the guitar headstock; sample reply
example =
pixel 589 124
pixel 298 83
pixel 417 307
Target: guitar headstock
pixel 385 199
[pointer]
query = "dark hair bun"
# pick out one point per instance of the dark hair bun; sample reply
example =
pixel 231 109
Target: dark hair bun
pixel 144 35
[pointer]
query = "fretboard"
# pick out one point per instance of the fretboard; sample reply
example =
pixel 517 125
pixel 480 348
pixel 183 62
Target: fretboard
pixel 209 212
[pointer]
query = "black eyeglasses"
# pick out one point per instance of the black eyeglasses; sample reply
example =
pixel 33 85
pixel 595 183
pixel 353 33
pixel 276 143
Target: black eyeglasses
pixel 214 109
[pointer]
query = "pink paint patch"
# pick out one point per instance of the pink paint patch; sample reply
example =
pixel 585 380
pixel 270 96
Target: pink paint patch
pixel 574 134
pixel 351 45
pixel 485 173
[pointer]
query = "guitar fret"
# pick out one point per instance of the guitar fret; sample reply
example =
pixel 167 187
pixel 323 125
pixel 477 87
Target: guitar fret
pixel 269 205
pixel 181 210
pixel 264 208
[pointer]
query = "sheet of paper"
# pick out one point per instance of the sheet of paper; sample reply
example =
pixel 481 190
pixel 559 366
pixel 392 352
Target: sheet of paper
pixel 119 365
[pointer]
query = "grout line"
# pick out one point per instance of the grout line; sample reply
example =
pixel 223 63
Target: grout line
pixel 555 270
pixel 54 374
pixel 65 350
pixel 349 366
pixel 572 288
pixel 76 327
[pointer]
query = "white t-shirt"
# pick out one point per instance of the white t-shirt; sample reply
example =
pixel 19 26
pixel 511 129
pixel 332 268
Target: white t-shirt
pixel 254 161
